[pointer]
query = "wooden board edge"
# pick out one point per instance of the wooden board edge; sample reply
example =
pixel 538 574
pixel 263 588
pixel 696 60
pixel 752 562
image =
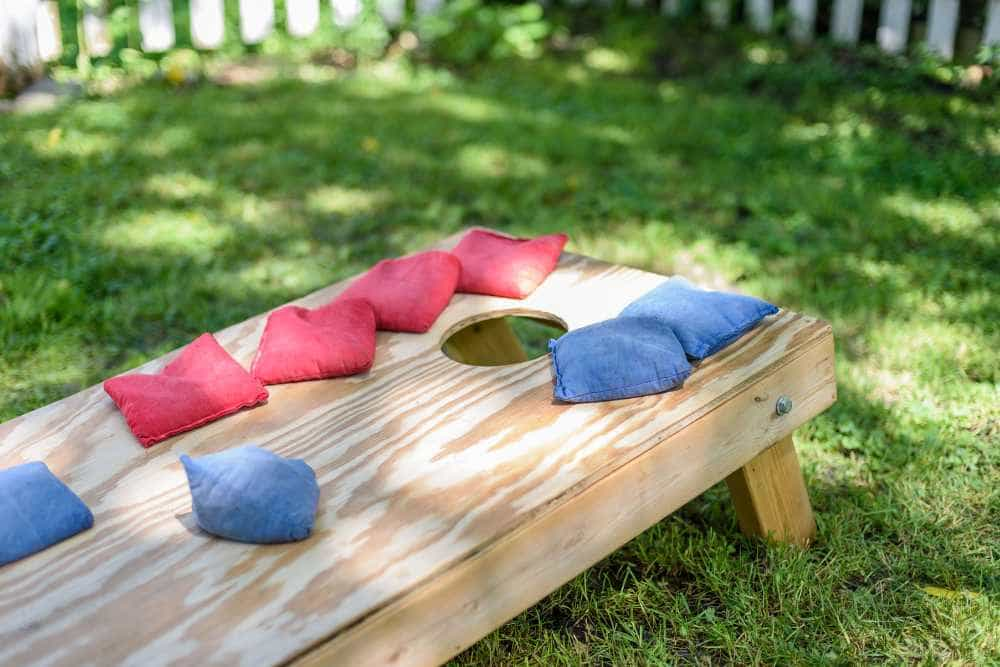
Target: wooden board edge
pixel 448 613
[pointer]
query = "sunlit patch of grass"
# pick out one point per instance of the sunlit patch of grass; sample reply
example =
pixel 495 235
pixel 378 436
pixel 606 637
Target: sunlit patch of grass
pixel 178 186
pixel 947 215
pixel 168 231
pixel 167 142
pixel 329 199
pixel 296 274
pixel 72 142
pixel 464 107
pixel 491 161
pixel 604 59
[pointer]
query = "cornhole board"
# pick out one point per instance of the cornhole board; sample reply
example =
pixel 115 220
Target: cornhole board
pixel 453 496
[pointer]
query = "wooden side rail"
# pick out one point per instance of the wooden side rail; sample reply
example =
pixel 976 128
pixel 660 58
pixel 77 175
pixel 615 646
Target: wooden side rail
pixel 733 442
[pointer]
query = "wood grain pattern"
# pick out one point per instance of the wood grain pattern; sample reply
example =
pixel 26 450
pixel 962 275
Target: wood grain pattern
pixel 770 496
pixel 423 462
pixel 449 612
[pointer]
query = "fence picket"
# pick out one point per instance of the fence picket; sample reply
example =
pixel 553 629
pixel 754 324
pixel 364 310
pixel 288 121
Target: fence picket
pixel 48 31
pixel 759 13
pixel 942 21
pixel 19 47
pixel 803 21
pixel 156 23
pixel 845 24
pixel 208 23
pixel 991 31
pixel 718 12
pixel 345 12
pixel 256 20
pixel 96 34
pixel 302 17
pixel 391 11
pixel 893 25
pixel 426 7
pixel 671 7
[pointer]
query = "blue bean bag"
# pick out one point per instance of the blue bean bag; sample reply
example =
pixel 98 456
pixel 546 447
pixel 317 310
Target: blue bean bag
pixel 248 494
pixel 36 511
pixel 704 321
pixel 618 358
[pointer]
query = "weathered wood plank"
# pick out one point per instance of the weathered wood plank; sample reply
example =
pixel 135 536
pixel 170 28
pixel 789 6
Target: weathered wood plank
pixel 770 496
pixel 942 22
pixel 803 23
pixel 256 20
pixel 845 24
pixel 447 614
pixel 156 23
pixel 208 23
pixel 302 17
pixel 894 26
pixel 759 14
pixel 423 463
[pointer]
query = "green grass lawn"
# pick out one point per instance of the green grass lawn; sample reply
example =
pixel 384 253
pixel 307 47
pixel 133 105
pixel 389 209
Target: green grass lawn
pixel 857 192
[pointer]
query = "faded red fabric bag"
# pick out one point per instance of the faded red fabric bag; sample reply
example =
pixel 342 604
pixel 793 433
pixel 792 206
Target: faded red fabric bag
pixel 202 384
pixel 301 344
pixel 408 294
pixel 503 266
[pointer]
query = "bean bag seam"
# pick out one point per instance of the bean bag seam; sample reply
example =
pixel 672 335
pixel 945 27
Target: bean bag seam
pixel 677 376
pixel 152 439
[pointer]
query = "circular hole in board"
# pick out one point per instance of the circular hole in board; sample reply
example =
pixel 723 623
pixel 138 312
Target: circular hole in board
pixel 502 338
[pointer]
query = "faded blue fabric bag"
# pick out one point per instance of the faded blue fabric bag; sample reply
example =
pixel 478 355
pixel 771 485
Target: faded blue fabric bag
pixel 36 511
pixel 249 494
pixel 704 321
pixel 619 358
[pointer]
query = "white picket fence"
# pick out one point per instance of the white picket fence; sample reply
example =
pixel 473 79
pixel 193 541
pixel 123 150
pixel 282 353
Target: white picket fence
pixel 29 29
pixel 894 26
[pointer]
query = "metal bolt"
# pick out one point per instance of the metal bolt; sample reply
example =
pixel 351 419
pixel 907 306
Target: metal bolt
pixel 783 406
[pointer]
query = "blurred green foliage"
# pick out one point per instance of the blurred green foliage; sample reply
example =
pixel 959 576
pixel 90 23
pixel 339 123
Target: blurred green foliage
pixel 468 31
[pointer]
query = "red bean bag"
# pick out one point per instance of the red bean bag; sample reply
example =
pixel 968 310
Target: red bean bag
pixel 301 344
pixel 408 294
pixel 503 266
pixel 202 384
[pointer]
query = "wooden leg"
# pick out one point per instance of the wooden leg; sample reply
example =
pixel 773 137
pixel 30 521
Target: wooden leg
pixel 486 343
pixel 770 496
